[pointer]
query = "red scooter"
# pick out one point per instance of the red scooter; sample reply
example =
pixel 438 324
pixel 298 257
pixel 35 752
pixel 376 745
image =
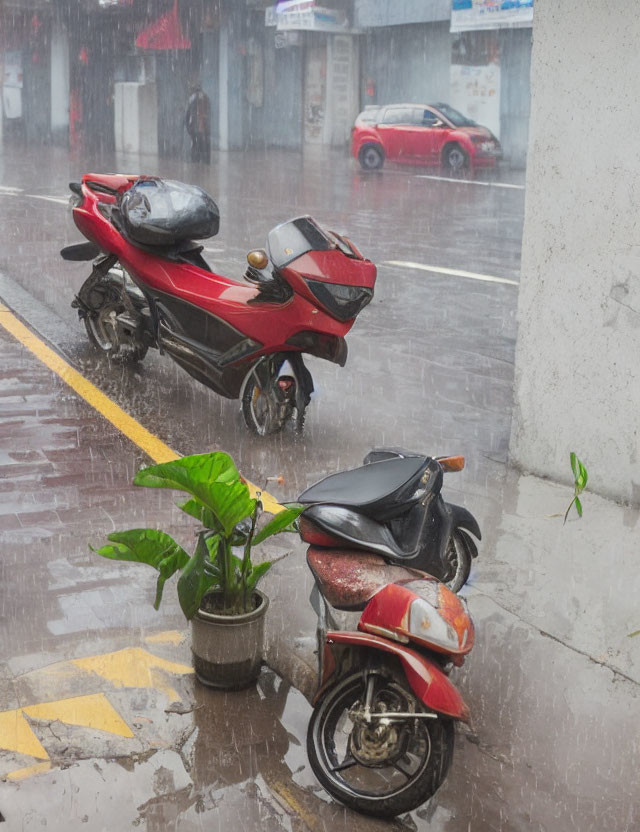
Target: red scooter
pixel 151 287
pixel 381 734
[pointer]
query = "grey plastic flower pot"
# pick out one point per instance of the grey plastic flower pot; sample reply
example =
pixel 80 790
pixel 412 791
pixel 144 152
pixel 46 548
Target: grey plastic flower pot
pixel 227 649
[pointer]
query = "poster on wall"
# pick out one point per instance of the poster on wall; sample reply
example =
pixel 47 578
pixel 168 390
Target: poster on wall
pixel 12 84
pixel 475 91
pixel 467 15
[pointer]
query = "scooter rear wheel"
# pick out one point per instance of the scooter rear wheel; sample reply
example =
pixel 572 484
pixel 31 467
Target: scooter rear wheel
pixel 376 769
pixel 458 558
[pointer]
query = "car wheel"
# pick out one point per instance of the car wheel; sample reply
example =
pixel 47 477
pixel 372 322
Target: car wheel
pixel 455 158
pixel 371 157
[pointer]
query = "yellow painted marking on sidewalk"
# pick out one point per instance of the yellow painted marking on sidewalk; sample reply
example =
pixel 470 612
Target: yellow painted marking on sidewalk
pixel 16 735
pixel 29 771
pixel 134 668
pixel 168 637
pixel 282 792
pixel 132 429
pixel 93 711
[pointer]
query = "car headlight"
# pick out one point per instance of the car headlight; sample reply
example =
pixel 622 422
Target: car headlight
pixel 342 302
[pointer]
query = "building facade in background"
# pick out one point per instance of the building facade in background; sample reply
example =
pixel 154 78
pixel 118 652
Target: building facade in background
pixel 472 54
pixel 115 74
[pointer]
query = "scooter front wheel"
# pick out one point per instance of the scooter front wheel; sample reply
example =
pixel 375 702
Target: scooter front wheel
pixel 379 766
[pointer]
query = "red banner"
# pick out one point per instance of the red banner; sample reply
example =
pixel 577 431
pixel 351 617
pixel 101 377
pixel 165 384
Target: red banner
pixel 164 33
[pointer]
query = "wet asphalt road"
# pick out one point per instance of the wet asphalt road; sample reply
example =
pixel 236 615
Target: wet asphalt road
pixel 430 360
pixel 430 367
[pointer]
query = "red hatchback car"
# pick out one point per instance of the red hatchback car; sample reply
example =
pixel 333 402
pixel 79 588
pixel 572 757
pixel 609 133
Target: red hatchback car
pixel 414 134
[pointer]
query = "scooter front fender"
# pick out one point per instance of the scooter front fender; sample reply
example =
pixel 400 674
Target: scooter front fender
pixel 427 681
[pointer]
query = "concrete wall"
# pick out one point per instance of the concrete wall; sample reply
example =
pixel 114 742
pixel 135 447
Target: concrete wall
pixel 408 63
pixel 578 353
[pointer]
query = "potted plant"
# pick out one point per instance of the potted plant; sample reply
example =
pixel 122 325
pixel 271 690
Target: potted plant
pixel 217 584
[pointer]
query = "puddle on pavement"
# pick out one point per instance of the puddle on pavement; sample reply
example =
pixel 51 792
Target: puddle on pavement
pixel 238 760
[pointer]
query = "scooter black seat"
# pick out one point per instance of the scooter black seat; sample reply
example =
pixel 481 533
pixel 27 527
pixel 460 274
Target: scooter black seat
pixel 371 489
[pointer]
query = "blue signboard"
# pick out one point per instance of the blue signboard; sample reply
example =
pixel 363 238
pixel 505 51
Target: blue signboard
pixel 490 14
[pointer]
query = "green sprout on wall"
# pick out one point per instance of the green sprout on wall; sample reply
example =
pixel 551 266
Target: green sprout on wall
pixel 580 477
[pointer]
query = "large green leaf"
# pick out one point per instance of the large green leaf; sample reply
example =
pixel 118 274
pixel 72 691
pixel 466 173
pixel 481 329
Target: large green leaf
pixel 279 523
pixel 212 479
pixel 196 509
pixel 256 573
pixel 194 581
pixel 149 546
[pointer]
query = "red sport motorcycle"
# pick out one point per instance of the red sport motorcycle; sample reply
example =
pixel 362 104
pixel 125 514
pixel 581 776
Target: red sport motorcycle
pixel 151 287
pixel 381 734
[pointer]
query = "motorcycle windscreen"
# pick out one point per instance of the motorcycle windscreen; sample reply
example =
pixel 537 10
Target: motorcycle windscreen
pixel 290 240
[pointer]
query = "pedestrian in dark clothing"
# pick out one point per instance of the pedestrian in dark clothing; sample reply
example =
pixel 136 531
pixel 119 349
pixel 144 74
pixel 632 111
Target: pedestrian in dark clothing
pixel 198 124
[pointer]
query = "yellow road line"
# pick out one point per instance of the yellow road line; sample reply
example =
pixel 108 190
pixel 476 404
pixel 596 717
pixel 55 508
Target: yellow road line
pixel 132 429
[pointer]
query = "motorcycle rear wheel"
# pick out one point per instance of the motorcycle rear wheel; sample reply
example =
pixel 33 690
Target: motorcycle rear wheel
pixel 385 771
pixel 102 328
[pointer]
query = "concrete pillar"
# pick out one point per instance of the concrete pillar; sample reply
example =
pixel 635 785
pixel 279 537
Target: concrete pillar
pixel 577 380
pixel 136 118
pixel 342 93
pixel 59 85
pixel 223 95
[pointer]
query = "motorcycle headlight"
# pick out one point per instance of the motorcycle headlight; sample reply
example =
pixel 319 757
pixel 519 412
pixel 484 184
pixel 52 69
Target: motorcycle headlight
pixel 427 624
pixel 342 302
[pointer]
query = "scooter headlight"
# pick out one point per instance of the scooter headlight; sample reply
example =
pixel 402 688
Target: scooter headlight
pixel 427 624
pixel 342 302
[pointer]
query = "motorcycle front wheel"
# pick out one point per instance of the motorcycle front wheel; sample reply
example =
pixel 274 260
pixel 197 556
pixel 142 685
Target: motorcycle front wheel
pixel 381 767
pixel 268 400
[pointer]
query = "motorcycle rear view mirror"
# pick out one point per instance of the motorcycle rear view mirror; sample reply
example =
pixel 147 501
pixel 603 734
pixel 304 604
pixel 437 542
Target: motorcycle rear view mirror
pixel 451 463
pixel 258 259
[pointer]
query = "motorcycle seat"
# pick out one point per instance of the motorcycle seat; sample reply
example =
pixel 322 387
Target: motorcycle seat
pixel 349 579
pixel 379 490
